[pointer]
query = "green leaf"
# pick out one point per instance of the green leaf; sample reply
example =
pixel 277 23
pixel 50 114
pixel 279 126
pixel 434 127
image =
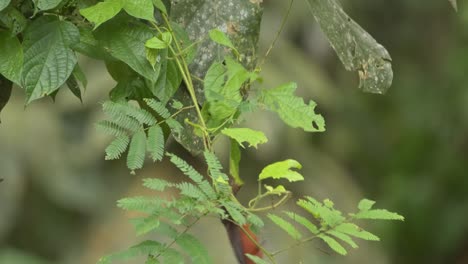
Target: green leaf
pixel 48 4
pixel 140 203
pixel 286 226
pixel 127 43
pixel 234 160
pixel 303 221
pixel 143 9
pixel 102 11
pixel 356 231
pixel 380 214
pixel 5 91
pixel 292 109
pixel 333 244
pixel 357 49
pixel 11 57
pixel 136 151
pixel 48 59
pixel 158 107
pixel 365 204
pixel 347 239
pixel 194 248
pixel 220 37
pixel 156 184
pixel 327 215
pixel 111 128
pixel 4 4
pixel 257 260
pixel 160 5
pixel 248 135
pixel 161 42
pixel 117 147
pixel 146 225
pixel 14 20
pixel 144 248
pixel 156 142
pixel 172 256
pixel 282 170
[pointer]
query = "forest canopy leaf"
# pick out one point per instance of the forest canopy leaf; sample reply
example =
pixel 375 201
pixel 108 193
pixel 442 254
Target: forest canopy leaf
pixel 282 170
pixel 48 58
pixel 357 49
pixel 3 4
pixel 11 57
pixel 292 109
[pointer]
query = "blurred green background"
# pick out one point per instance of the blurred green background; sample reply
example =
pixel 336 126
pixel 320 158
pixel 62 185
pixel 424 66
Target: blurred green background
pixel 406 150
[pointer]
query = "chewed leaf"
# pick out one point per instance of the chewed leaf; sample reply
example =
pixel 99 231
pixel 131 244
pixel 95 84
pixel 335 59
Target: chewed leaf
pixel 282 170
pixel 248 135
pixel 292 109
pixel 357 49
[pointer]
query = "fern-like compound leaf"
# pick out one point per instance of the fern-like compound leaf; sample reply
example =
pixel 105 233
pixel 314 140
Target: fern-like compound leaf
pixel 155 143
pixel 144 248
pixel 344 237
pixel 140 203
pixel 333 244
pixel 158 107
pixel 117 147
pixel 304 222
pixel 378 214
pixel 257 260
pixel 111 128
pixel 327 216
pixel 172 256
pixel 286 226
pixel 235 212
pixel 356 231
pixel 156 184
pixel 137 151
pixel 194 248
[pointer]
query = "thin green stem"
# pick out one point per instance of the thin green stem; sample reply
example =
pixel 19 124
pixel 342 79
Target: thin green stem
pixel 278 33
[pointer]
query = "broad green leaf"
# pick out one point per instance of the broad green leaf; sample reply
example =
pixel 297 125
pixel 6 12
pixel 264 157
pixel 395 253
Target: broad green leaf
pixel 14 20
pixel 143 9
pixel 253 137
pixel 160 42
pixel 127 43
pixel 72 82
pixel 89 45
pixel 452 2
pixel 48 59
pixel 356 231
pixel 234 160
pixel 380 214
pixel 47 4
pixel 220 37
pixel 292 109
pixel 160 5
pixel 282 170
pixel 11 57
pixel 365 204
pixel 3 4
pixel 357 49
pixel 102 11
pixel 286 226
pixel 256 259
pixel 5 91
pixel 333 244
pixel 136 151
